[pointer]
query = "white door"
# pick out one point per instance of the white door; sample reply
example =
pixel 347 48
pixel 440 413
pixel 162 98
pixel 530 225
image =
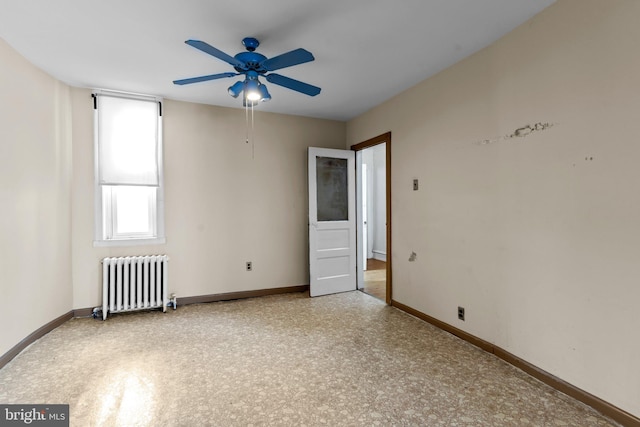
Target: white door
pixel 332 221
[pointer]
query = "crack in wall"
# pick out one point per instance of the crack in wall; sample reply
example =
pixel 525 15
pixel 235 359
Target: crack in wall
pixel 518 133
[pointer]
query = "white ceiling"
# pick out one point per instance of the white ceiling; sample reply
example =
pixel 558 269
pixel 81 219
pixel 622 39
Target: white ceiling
pixel 366 51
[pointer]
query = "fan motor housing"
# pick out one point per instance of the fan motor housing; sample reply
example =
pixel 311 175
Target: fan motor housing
pixel 253 61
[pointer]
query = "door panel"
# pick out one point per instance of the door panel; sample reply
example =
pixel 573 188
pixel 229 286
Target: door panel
pixel 333 239
pixel 332 225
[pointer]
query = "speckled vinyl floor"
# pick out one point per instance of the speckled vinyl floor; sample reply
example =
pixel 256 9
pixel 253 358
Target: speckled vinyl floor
pixel 285 360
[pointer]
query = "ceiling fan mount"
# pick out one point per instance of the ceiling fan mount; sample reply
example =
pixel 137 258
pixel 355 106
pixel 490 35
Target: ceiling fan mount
pixel 252 65
pixel 250 43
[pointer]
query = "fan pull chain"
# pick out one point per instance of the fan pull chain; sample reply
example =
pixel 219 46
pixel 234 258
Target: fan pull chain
pixel 252 127
pixel 253 135
pixel 246 115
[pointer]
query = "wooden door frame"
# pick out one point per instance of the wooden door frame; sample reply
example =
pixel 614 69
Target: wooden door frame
pixel 386 138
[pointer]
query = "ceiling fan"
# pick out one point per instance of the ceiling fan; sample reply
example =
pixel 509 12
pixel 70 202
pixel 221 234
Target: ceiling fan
pixel 253 65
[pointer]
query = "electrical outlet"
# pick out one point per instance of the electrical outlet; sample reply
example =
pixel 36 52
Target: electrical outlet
pixel 249 266
pixel 461 313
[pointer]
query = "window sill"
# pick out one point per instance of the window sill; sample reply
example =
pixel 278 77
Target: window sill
pixel 129 242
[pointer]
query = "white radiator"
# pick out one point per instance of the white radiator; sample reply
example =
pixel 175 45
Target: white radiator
pixel 134 283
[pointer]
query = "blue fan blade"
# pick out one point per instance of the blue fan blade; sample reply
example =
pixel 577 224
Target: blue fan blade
pixel 292 84
pixel 204 78
pixel 295 57
pixel 207 48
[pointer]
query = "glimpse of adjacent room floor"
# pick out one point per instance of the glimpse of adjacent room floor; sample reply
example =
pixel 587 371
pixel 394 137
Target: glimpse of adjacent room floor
pixel 286 360
pixel 375 279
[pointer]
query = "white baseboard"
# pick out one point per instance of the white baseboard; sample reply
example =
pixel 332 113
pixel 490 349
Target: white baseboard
pixel 380 255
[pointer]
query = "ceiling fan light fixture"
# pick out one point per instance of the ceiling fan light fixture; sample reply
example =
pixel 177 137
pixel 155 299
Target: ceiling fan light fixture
pixel 248 103
pixel 236 89
pixel 252 90
pixel 264 93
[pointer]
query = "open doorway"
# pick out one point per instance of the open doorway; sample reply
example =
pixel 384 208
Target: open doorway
pixel 374 216
pixel 373 204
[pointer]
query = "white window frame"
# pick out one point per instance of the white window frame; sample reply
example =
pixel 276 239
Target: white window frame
pixel 105 204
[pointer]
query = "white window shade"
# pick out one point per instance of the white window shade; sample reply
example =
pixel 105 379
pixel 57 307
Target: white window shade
pixel 128 141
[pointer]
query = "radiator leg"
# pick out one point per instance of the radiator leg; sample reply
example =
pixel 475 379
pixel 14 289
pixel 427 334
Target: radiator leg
pixel 105 289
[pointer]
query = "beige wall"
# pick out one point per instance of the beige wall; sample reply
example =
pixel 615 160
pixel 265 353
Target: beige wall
pixel 227 202
pixel 538 244
pixel 35 183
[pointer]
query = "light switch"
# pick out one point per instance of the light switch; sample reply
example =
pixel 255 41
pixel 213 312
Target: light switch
pixel 415 185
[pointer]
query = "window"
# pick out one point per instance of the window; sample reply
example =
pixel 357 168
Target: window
pixel 129 192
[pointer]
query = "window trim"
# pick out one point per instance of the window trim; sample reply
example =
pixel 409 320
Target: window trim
pixel 99 218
